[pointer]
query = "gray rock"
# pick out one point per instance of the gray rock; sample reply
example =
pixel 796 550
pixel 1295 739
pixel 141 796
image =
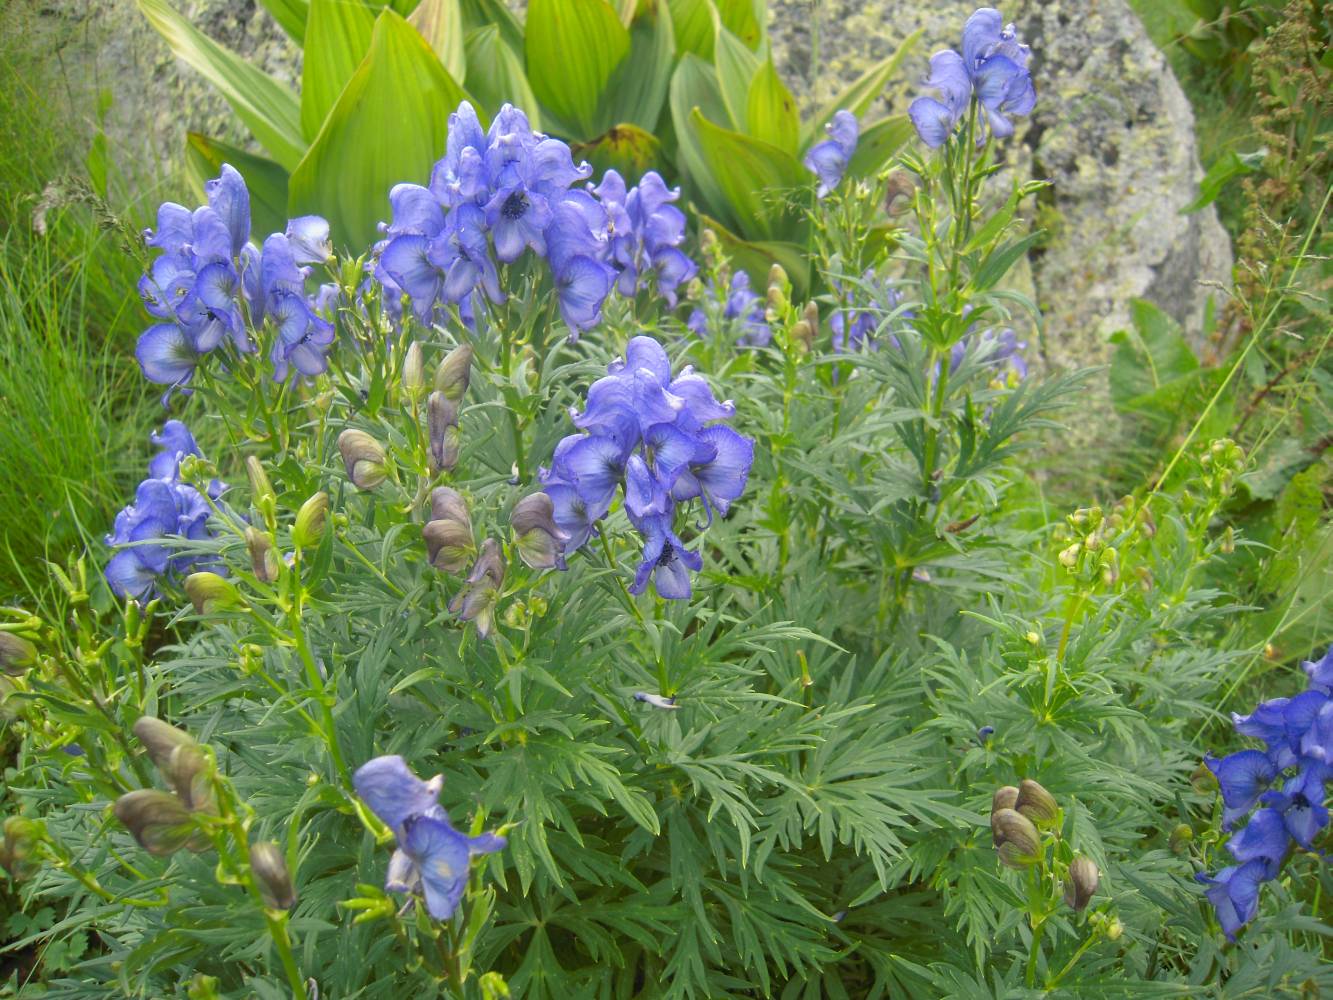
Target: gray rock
pixel 1112 131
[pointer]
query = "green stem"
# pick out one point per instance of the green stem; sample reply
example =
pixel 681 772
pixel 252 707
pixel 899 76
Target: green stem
pixel 315 679
pixel 277 930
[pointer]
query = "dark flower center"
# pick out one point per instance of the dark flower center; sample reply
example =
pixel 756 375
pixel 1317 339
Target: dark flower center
pixel 515 205
pixel 668 554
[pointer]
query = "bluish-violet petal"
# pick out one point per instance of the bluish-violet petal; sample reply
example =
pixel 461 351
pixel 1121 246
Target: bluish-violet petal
pixel 308 359
pixel 212 239
pixel 647 353
pixel 278 271
pixel 393 793
pixel 610 411
pixel 510 238
pixel 166 285
pixel 154 557
pixel 723 479
pixel 1299 714
pixel 1266 722
pixel 1242 777
pixel 204 327
pixel 671 579
pixel 441 855
pixel 406 261
pixel 1263 837
pixel 229 198
pixel 612 189
pixel 1301 802
pixel 1021 96
pixel 653 193
pixel 308 236
pixel 1234 894
pixel 583 285
pixel 403 875
pixel 597 465
pixel 672 450
pixel 416 211
pixel 981 33
pixel 949 76
pixel 165 354
pixel 993 79
pixel 1011 47
pixel 486 843
pixel 673 269
pixel 127 576
pixel 644 495
pixel 569 235
pixel 654 547
pixel 218 285
pixel 702 406
pixel 828 162
pixel 664 228
pixel 934 122
pixel 550 165
pixel 844 129
pixel 1317 743
pixel 175 228
pixel 1320 672
pixel 627 282
pixel 572 514
pixel 176 441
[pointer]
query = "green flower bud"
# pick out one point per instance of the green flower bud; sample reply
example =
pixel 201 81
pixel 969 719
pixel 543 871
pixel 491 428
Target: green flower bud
pixel 208 592
pixel 1016 839
pixel 442 432
pixel 1082 884
pixel 454 373
pixel 158 821
pixel 1147 524
pixel 1069 557
pixel 263 557
pixel 363 458
pixel 414 372
pixel 1228 543
pixel 1110 567
pixel 777 277
pixel 1036 803
pixel 202 987
pixel 21 835
pixel 1181 838
pixel 17 654
pixel 541 542
pixel 269 868
pixel 260 486
pixel 310 520
pixel 1114 929
pixel 493 987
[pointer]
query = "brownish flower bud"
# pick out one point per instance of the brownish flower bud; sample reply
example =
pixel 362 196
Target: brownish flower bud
pixel 476 601
pixel 454 373
pixel 269 868
pixel 1036 803
pixel 1083 880
pixel 363 458
pixel 158 821
pixel 263 556
pixel 1016 839
pixel 260 486
pixel 442 432
pixel 17 654
pixel 180 761
pixel 541 542
pixel 1005 797
pixel 208 592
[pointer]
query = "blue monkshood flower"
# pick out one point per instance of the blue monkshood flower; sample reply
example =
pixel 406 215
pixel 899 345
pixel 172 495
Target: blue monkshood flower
pixel 743 306
pixel 993 70
pixel 432 857
pixel 657 436
pixel 871 304
pixel 209 278
pixel 1320 672
pixel 163 509
pixel 643 234
pixel 828 160
pixel 1264 838
pixel 1242 777
pixel 1234 893
pixel 1301 804
pixel 656 700
pixel 1003 350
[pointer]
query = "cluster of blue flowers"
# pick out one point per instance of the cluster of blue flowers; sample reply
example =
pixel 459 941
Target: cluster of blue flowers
pixel 742 305
pixel 993 70
pixel 432 857
pixel 856 326
pixel 828 159
pixel 210 283
pixel 659 438
pixel 163 507
pixel 500 193
pixel 1287 778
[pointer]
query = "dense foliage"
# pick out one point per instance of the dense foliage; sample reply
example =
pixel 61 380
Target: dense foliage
pixel 544 601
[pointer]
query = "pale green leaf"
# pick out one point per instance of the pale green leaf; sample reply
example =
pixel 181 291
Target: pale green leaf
pixel 572 47
pixel 337 39
pixel 736 67
pixel 753 176
pixel 441 25
pixel 638 88
pixel 694 85
pixel 266 180
pixel 290 15
pixel 495 75
pixel 771 113
pixel 695 25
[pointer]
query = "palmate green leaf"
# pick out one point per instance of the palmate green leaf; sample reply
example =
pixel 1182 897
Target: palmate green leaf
pixel 736 67
pixel 638 88
pixel 571 50
pixel 752 175
pixel 268 109
pixel 266 180
pixel 495 75
pixel 770 112
pixel 364 148
pixel 441 25
pixel 290 15
pixel 861 94
pixel 338 36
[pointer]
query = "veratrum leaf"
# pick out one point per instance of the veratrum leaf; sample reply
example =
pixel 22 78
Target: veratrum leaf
pixel 268 109
pixel 625 148
pixel 441 25
pixel 638 88
pixel 695 25
pixel 861 94
pixel 757 256
pixel 290 15
pixel 744 19
pixel 751 174
pixel 694 85
pixel 878 144
pixel 338 36
pixel 771 113
pixel 389 125
pixel 1152 355
pixel 266 181
pixel 483 13
pixel 736 67
pixel 572 47
pixel 495 75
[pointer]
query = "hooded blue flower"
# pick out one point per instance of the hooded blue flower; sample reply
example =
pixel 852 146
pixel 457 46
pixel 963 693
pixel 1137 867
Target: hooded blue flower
pixel 432 857
pixel 828 160
pixel 869 305
pixel 656 436
pixel 643 233
pixel 1234 893
pixel 992 70
pixel 742 310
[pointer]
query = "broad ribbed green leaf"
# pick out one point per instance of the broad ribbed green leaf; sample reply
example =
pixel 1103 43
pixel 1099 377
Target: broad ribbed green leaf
pixel 736 68
pixel 338 37
pixel 694 85
pixel 495 75
pixel 571 50
pixel 441 25
pixel 268 109
pixel 744 19
pixel 266 181
pixel 757 256
pixel 290 15
pixel 878 144
pixel 625 148
pixel 389 126
pixel 481 13
pixel 771 112
pixel 638 88
pixel 859 96
pixel 753 176
pixel 695 25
